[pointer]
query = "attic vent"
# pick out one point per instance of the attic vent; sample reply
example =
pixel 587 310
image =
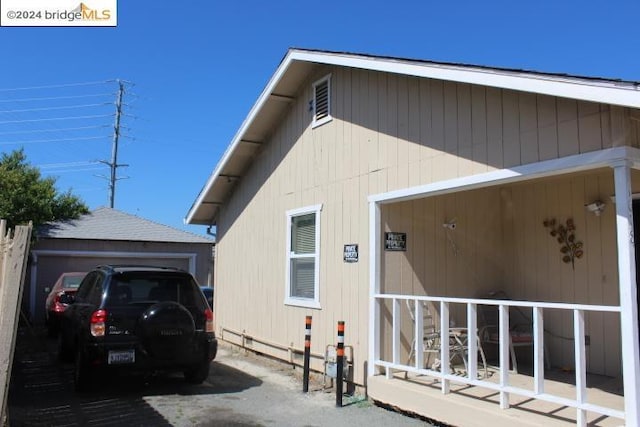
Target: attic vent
pixel 322 101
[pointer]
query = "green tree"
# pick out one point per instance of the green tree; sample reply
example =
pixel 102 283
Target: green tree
pixel 27 196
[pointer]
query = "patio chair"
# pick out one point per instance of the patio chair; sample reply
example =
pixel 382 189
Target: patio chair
pixel 431 343
pixel 520 333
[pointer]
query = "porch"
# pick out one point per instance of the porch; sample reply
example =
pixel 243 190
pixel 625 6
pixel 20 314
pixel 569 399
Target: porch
pixel 464 239
pixel 470 391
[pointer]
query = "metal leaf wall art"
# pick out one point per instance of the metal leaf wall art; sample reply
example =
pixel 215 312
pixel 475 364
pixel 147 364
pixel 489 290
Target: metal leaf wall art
pixel 565 235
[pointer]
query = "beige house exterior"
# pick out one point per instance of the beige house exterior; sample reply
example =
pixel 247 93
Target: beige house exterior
pixel 457 168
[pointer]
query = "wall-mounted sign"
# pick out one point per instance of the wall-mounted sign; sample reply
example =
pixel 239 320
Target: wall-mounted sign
pixel 395 241
pixel 351 252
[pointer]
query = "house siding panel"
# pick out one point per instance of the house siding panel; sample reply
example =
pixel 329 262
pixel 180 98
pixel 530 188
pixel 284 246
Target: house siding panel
pixel 495 151
pixel 479 129
pixel 567 127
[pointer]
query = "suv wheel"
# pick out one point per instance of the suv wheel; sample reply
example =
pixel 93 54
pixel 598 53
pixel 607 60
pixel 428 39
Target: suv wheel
pixel 197 373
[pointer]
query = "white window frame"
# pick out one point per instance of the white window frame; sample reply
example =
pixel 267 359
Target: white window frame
pixel 315 123
pixel 296 301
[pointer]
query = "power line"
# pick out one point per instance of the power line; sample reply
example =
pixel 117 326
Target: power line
pixel 56 98
pixel 36 141
pixel 21 132
pixel 68 164
pixel 88 168
pixel 56 118
pixel 42 117
pixel 70 167
pixel 63 107
pixel 56 86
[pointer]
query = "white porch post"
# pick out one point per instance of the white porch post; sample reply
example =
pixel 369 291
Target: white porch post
pixel 445 355
pixel 396 324
pixel 505 345
pixel 538 350
pixel 472 341
pixel 374 287
pixel 581 366
pixel 418 339
pixel 628 289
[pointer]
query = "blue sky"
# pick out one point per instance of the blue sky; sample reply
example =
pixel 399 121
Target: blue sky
pixel 197 68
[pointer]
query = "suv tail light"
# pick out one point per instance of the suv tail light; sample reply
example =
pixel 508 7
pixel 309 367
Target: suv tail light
pixel 98 323
pixel 208 314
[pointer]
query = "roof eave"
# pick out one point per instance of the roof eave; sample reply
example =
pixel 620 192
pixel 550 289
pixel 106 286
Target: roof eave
pixel 255 110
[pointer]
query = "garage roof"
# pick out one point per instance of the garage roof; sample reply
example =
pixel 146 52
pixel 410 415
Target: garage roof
pixel 298 64
pixel 110 224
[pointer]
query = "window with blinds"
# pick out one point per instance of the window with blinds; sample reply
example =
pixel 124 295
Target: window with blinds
pixel 303 256
pixel 303 234
pixel 322 101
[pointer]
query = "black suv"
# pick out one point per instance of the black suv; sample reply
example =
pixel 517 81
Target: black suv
pixel 141 318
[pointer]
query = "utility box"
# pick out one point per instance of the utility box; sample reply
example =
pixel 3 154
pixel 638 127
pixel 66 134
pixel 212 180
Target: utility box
pixel 331 364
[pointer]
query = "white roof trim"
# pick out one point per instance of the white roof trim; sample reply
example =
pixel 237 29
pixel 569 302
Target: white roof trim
pixel 576 163
pixel 607 92
pixel 603 91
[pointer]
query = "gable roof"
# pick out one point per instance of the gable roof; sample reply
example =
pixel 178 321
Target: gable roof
pixel 110 224
pixel 298 63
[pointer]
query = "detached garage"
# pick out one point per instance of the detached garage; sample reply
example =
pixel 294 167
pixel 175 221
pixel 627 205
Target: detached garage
pixel 109 236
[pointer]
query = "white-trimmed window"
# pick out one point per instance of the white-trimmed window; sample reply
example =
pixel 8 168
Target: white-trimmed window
pixel 303 257
pixel 322 101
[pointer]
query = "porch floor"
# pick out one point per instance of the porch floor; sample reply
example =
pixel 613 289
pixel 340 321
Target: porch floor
pixel 477 406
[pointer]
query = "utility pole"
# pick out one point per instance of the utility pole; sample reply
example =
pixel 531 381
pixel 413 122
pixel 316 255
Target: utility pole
pixel 113 164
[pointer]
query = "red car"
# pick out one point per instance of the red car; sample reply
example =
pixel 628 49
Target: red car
pixel 67 283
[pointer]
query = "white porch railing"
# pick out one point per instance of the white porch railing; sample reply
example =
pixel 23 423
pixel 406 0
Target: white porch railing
pixel 503 387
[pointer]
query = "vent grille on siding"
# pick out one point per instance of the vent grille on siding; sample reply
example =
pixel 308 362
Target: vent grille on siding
pixel 322 100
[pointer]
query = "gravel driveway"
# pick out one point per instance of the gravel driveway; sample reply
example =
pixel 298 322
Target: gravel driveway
pixel 242 390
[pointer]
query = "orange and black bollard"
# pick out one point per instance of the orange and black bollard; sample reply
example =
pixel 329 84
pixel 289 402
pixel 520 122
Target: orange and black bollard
pixel 307 354
pixel 340 362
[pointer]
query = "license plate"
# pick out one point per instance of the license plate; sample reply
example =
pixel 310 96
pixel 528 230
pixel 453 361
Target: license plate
pixel 121 357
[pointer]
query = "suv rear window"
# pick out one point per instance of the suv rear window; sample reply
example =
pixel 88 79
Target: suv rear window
pixel 132 288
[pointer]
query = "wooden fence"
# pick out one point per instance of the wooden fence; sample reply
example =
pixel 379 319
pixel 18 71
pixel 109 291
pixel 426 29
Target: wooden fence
pixel 13 261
